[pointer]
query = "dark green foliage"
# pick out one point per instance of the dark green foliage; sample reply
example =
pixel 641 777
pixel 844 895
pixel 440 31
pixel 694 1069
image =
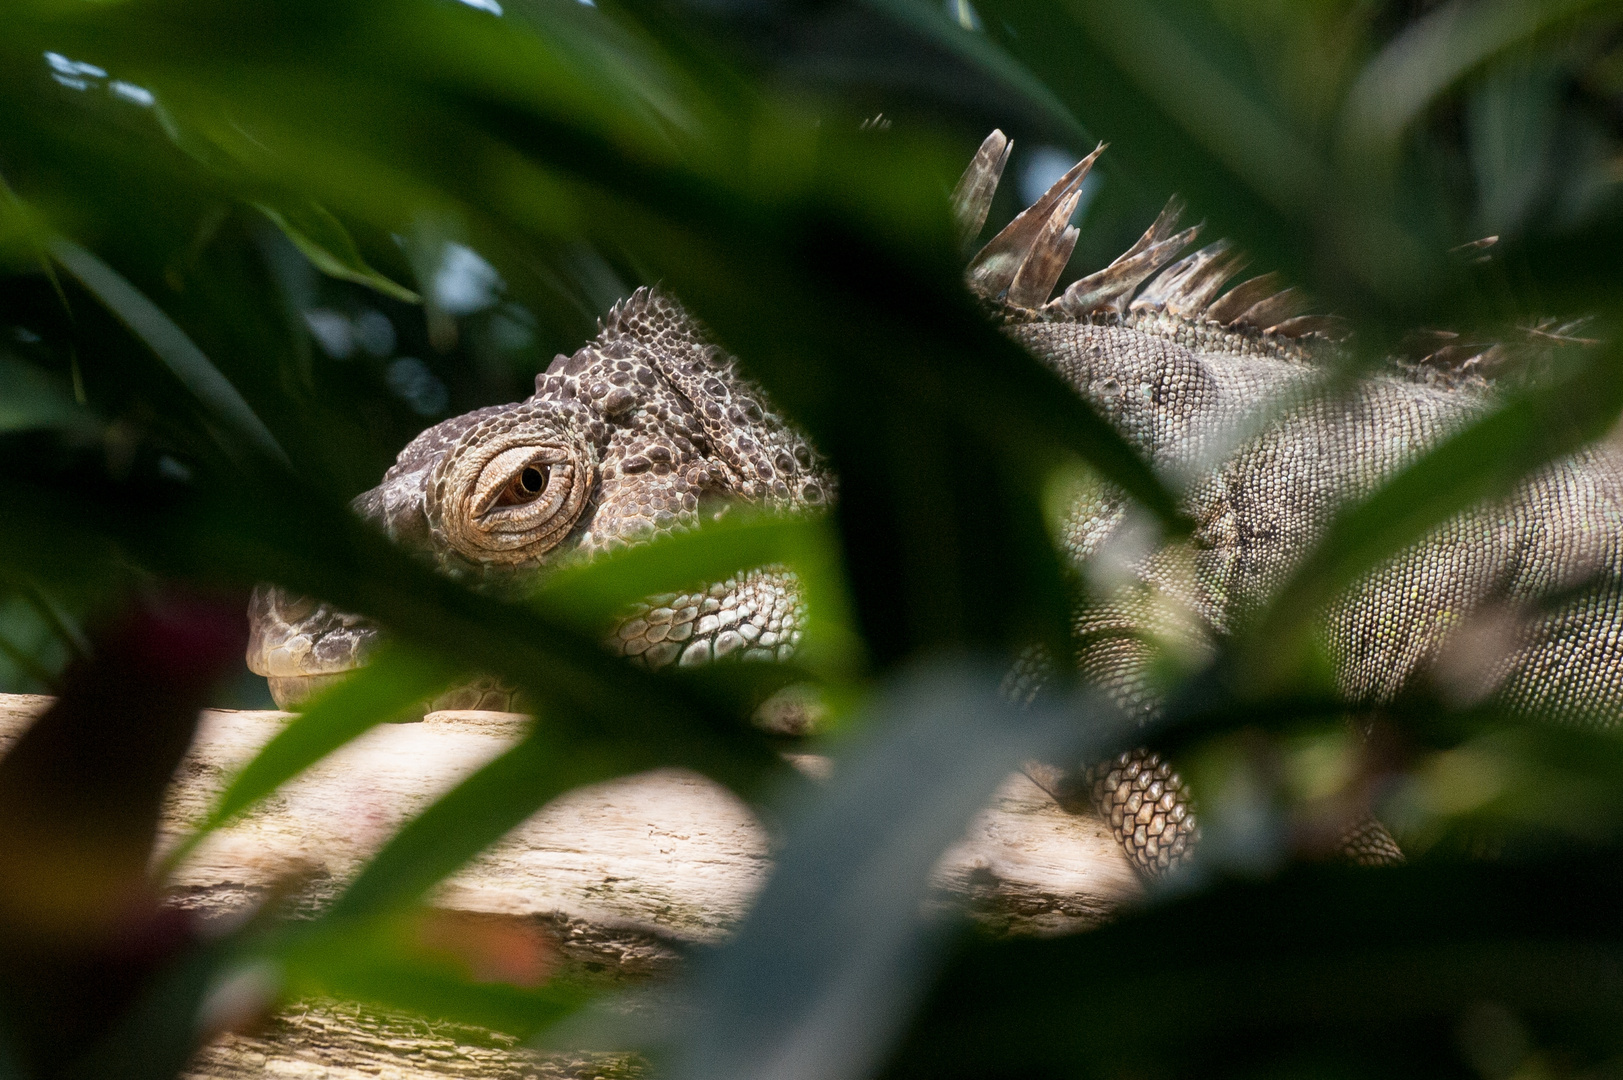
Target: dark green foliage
pixel 1379 973
pixel 248 250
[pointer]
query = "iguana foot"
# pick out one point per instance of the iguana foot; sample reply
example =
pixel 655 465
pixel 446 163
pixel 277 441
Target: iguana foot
pixel 1367 843
pixel 1150 811
pixel 1148 808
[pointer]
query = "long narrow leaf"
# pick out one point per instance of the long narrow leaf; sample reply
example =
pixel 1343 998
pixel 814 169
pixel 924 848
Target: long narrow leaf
pixel 1327 972
pixel 323 240
pixel 830 961
pixel 170 344
pixel 595 593
pixel 475 814
pixel 394 681
pixel 1410 73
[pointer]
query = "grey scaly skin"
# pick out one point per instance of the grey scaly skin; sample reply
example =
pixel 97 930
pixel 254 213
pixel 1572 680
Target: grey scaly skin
pixel 651 428
pixel 1518 603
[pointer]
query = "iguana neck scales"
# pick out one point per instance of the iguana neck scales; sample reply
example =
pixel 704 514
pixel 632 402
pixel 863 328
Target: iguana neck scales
pixel 651 427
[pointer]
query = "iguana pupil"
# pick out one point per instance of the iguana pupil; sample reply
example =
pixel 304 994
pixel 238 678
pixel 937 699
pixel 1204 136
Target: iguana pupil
pixel 524 488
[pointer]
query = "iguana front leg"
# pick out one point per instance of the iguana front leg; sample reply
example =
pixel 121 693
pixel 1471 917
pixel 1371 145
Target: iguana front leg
pixel 1148 806
pixel 1151 812
pixel 1368 843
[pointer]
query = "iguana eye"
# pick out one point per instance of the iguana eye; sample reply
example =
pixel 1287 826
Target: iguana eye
pixel 526 486
pixel 509 496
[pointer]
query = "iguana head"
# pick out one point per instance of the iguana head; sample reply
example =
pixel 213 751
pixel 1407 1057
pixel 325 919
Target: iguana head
pixel 647 429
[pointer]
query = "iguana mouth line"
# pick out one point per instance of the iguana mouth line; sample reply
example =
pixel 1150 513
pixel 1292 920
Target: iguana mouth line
pixel 302 647
pixel 292 636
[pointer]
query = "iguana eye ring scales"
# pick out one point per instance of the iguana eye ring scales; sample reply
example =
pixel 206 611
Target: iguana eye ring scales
pixel 650 427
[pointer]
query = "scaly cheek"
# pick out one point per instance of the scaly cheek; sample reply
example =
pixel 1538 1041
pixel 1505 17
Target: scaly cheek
pixel 640 508
pixel 756 615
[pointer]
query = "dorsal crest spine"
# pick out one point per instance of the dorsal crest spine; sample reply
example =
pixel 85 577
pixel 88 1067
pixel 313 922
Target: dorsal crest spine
pixel 1156 288
pixel 1018 268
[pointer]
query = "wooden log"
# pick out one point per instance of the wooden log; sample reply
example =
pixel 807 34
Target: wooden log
pixel 622 873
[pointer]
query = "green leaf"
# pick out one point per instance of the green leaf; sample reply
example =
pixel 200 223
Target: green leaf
pixel 499 972
pixel 300 537
pixel 938 24
pixel 475 814
pixel 1329 971
pixel 31 399
pixel 171 345
pixel 329 247
pixel 593 594
pixel 828 964
pixel 1414 69
pixel 1512 783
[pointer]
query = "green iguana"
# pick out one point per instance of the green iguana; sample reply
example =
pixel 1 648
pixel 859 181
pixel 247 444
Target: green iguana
pixel 651 427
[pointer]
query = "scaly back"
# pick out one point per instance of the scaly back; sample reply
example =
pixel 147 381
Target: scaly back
pixel 1517 601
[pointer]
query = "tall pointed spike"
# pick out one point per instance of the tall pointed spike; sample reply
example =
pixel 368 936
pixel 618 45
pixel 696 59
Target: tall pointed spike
pixel 1165 225
pixel 992 271
pixel 1168 284
pixel 1276 309
pixel 1162 229
pixel 1234 303
pixel 1198 288
pixel 1112 287
pixel 1037 276
pixel 972 197
pixel 1157 288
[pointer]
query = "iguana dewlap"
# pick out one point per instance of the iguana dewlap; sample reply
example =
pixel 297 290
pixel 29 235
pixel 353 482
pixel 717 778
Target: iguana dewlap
pixel 651 428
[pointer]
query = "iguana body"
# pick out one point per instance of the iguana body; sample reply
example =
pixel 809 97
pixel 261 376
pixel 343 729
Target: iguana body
pixel 650 428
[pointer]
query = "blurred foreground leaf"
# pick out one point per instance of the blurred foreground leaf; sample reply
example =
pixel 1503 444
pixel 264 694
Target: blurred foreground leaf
pixel 30 399
pixel 500 972
pixel 1363 972
pixel 390 685
pixel 830 960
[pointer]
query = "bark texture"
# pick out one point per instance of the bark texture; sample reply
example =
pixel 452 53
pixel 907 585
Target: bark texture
pixel 623 874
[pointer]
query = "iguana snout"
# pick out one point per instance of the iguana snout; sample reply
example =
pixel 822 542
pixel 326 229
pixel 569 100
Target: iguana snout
pixel 302 647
